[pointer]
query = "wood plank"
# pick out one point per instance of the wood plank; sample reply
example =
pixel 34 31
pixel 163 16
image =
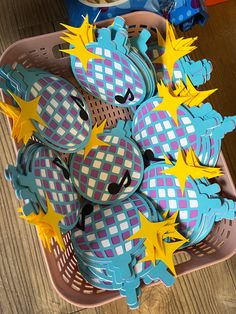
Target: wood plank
pixel 199 292
pixel 217 43
pixel 24 283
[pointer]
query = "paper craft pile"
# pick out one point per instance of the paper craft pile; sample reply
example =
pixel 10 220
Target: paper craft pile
pixel 133 194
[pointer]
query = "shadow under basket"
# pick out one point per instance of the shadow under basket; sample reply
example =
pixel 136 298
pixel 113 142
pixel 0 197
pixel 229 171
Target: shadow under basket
pixel 42 52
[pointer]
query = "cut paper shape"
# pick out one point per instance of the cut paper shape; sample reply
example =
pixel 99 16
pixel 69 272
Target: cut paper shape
pixel 198 208
pixel 166 255
pixel 197 97
pixel 134 78
pixel 79 38
pixel 175 48
pixel 188 165
pixel 107 260
pixel 22 117
pixel 94 141
pixel 155 233
pixel 201 127
pixel 170 101
pixel 61 106
pixel 13 113
pixel 40 171
pixel 114 187
pixel 105 174
pixel 122 99
pixel 47 225
pixel 86 211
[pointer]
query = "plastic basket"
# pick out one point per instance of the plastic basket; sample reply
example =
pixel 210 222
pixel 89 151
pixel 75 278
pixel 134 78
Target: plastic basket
pixel 219 245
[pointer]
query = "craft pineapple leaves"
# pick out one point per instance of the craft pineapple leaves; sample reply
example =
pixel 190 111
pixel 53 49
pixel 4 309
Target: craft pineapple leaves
pixel 170 102
pixel 187 165
pixel 79 37
pixel 155 235
pixel 174 48
pixel 94 141
pixel 47 225
pixel 22 116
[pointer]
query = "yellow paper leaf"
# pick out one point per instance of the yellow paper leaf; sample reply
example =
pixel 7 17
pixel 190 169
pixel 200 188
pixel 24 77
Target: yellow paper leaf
pixel 94 141
pixel 79 37
pixel 170 102
pixel 188 166
pixel 47 225
pixel 22 116
pixel 155 234
pixel 174 48
pixel 197 97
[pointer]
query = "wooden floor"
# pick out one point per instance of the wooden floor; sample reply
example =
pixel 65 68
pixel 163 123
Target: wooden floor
pixel 24 284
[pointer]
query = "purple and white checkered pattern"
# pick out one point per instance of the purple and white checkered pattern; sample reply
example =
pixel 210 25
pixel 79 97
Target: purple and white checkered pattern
pixel 107 229
pixel 104 165
pixel 49 180
pixel 161 70
pixel 110 77
pixel 156 130
pixel 65 128
pixel 165 191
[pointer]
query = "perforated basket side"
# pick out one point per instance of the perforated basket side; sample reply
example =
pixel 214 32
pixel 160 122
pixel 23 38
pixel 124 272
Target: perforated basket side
pixel 220 244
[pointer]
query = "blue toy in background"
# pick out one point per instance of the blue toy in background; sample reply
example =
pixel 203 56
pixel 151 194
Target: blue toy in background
pixel 187 13
pixel 184 13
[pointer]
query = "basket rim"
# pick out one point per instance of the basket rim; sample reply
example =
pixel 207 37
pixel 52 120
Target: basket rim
pixel 42 36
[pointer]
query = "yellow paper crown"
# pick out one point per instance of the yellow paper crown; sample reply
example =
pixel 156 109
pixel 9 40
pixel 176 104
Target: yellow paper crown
pixel 47 225
pixel 170 101
pixel 22 116
pixel 187 165
pixel 174 48
pixel 94 140
pixel 156 243
pixel 79 37
pixel 196 97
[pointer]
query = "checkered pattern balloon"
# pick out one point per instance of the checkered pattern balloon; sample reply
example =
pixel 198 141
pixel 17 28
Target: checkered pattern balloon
pixel 201 128
pixel 43 173
pixel 120 164
pixel 199 205
pixel 61 107
pixel 164 191
pixel 111 77
pixel 107 259
pixel 107 229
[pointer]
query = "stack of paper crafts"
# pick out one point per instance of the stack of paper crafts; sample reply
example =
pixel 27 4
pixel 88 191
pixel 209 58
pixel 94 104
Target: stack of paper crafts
pixel 134 194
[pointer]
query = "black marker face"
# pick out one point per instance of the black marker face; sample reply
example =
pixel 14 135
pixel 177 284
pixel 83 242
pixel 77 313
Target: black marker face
pixel 83 114
pixel 66 173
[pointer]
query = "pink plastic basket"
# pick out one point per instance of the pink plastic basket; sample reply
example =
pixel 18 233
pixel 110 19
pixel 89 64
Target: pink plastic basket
pixel 219 245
